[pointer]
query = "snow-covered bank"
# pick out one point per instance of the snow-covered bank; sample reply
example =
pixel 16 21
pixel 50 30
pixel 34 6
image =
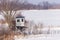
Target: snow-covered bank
pixel 41 37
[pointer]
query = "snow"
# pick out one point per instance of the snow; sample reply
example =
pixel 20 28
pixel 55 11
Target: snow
pixel 48 17
pixel 54 35
pixel 1 17
pixel 41 37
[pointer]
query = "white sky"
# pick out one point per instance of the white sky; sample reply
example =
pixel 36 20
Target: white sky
pixel 47 17
pixel 38 1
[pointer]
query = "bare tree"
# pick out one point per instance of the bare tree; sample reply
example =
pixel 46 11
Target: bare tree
pixel 46 5
pixel 8 9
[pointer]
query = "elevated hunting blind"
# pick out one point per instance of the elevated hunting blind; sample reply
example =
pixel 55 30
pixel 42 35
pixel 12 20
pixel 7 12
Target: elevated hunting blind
pixel 20 22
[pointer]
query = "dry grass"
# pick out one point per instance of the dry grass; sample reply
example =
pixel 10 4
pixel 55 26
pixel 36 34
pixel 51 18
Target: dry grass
pixel 11 35
pixel 7 36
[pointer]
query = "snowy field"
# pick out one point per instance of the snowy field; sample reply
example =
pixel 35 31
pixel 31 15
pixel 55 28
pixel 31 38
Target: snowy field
pixel 54 35
pixel 40 37
pixel 48 17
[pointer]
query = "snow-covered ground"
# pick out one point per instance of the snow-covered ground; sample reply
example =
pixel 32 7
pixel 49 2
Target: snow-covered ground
pixel 54 35
pixel 48 17
pixel 40 37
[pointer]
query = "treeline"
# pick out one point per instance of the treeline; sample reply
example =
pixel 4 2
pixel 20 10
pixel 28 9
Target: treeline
pixel 18 5
pixel 43 5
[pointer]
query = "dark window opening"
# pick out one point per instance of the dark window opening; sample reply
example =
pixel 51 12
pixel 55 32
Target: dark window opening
pixel 22 20
pixel 18 20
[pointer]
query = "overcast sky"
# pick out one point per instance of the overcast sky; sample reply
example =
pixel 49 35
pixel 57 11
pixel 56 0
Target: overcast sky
pixel 48 17
pixel 37 1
